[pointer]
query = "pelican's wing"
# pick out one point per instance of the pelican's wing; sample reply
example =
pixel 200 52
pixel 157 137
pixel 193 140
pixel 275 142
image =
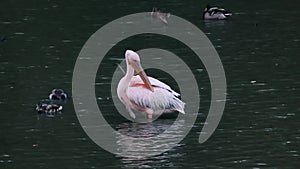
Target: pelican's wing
pixel 163 97
pixel 154 82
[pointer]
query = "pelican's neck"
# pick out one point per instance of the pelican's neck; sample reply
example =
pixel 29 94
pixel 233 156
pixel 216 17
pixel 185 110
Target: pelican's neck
pixel 129 73
pixel 124 83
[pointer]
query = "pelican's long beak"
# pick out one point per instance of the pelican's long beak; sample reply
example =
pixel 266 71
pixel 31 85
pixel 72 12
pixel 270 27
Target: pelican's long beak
pixel 138 68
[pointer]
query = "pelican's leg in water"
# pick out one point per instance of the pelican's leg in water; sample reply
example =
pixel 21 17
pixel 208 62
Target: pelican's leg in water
pixel 149 116
pixel 132 115
pixel 149 113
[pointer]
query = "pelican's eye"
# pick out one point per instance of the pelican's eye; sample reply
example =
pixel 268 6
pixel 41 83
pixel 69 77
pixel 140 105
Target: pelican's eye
pixel 134 60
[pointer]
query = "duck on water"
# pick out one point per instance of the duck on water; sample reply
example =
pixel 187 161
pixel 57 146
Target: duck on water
pixel 54 105
pixel 215 13
pixel 48 108
pixel 58 94
pixel 156 13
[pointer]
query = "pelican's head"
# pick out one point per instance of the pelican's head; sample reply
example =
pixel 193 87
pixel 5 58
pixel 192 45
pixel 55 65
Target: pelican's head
pixel 131 56
pixel 133 60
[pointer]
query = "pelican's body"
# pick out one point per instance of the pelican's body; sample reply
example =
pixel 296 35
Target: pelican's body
pixel 146 94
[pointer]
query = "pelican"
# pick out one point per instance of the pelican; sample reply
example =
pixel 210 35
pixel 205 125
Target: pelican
pixel 146 94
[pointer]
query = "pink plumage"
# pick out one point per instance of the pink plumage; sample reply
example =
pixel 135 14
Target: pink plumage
pixel 146 94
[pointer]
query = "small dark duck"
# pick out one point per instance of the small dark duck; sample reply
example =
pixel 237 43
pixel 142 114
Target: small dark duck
pixel 53 105
pixel 48 108
pixel 215 13
pixel 58 94
pixel 156 13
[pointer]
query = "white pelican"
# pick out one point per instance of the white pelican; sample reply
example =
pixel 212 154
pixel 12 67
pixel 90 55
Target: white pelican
pixel 146 94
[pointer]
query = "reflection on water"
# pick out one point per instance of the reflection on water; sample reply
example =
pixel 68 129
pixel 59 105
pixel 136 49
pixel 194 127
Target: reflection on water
pixel 137 141
pixel 159 161
pixel 145 130
pixel 214 23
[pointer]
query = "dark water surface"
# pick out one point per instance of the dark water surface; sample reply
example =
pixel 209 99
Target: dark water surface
pixel 259 49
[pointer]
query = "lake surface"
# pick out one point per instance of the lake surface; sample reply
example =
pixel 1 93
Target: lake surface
pixel 259 48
